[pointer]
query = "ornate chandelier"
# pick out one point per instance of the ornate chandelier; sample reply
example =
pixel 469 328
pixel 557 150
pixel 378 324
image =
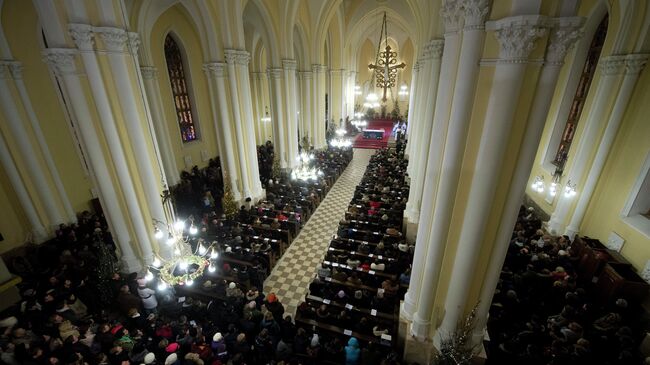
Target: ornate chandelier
pixel 186 263
pixel 305 172
pixel 385 67
pixel 340 141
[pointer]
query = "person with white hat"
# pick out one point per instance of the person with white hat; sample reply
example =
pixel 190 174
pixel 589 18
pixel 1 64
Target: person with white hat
pixel 148 296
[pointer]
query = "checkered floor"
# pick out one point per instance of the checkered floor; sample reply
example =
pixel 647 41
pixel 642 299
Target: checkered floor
pixel 291 276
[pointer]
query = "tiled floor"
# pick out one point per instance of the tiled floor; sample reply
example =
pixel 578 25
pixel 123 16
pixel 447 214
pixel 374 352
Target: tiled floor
pixel 291 276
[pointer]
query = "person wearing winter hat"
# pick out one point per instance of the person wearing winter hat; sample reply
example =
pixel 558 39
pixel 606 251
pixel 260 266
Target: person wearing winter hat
pixel 352 352
pixel 219 346
pixel 172 359
pixel 150 358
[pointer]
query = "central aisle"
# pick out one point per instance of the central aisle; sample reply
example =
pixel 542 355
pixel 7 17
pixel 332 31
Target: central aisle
pixel 291 276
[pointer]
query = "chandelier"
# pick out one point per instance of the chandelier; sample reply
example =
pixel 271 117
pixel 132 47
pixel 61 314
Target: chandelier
pixel 385 66
pixel 340 141
pixel 185 263
pixel 305 171
pixel 266 118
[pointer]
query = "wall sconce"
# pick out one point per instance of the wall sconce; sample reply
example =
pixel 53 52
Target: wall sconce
pixel 357 90
pixel 570 189
pixel 266 117
pixel 538 184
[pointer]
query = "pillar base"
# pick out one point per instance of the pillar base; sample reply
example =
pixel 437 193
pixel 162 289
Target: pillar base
pixel 407 309
pixel 420 328
pixel 571 232
pixel 39 235
pixel 410 223
pixel 419 351
pixel 554 227
pixel 131 265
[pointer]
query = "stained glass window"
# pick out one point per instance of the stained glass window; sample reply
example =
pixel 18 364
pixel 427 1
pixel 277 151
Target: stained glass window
pixel 580 96
pixel 180 90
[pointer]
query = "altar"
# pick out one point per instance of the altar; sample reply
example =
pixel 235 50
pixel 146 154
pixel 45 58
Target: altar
pixel 373 134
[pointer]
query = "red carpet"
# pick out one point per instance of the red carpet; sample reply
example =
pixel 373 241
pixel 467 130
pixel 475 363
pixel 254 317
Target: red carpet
pixel 385 124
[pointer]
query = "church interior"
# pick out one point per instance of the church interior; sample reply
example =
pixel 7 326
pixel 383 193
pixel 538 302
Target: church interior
pixel 328 182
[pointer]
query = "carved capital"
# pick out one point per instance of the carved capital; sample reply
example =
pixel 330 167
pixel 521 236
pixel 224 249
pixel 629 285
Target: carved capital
pixel 11 70
pixel 451 15
pixel 305 75
pixel 612 65
pixel 288 64
pixel 561 40
pixel 517 36
pixel 114 38
pixel 237 57
pixel 318 68
pixel 215 69
pixel 433 49
pixel 148 72
pixel 82 34
pixel 134 42
pixel 416 67
pixel 475 12
pixel 61 60
pixel 634 63
pixel 274 73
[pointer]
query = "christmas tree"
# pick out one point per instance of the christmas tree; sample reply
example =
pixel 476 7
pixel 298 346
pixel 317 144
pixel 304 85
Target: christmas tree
pixel 228 200
pixel 457 347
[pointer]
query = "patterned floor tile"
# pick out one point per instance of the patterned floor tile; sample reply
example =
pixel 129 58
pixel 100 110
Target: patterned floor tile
pixel 291 276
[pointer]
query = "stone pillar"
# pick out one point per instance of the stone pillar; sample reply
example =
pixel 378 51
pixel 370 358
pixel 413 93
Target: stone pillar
pixel 231 58
pixel 242 61
pixel 561 39
pixel 62 62
pixel 278 118
pixel 130 98
pixel 337 97
pixel 516 36
pixel 430 60
pixel 634 63
pixel 37 228
pixel 306 114
pixel 258 109
pixel 215 72
pixel 291 116
pixel 318 105
pixel 9 72
pixel 611 67
pixel 412 94
pixel 447 169
pixel 152 89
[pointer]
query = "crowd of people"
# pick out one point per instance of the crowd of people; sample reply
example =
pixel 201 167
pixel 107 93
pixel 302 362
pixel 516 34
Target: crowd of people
pixel 357 289
pixel 543 313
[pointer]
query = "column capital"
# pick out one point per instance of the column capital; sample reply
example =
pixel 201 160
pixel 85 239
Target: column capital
pixel 237 57
pixel 612 65
pixel 305 75
pixel 148 72
pixel 289 64
pixel 634 63
pixel 134 42
pixel 83 35
pixel 215 69
pixel 316 68
pixel 338 72
pixel 433 49
pixel 114 38
pixel 475 12
pixel 61 60
pixel 517 36
pixel 274 73
pixel 11 69
pixel 451 15
pixel 562 37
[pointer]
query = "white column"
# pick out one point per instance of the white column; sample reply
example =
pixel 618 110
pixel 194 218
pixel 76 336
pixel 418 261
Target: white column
pixel 448 163
pixel 215 72
pixel 413 91
pixel 277 108
pixel 243 59
pixel 517 38
pixel 611 67
pixel 306 114
pixel 61 61
pixel 257 108
pixel 82 35
pixel 291 123
pixel 16 73
pixel 37 228
pixel 634 63
pixel 319 105
pixel 152 88
pixel 561 39
pixel 26 149
pixel 231 58
pixel 431 60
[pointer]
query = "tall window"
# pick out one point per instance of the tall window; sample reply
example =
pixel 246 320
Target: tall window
pixel 580 96
pixel 180 91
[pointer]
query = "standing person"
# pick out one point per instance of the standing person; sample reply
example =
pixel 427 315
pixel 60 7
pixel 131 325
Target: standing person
pixel 352 352
pixel 148 296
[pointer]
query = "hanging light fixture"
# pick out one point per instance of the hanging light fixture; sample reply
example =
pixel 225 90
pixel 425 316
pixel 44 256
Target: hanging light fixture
pixel 266 118
pixel 403 90
pixel 570 189
pixel 340 141
pixel 305 171
pixel 186 263
pixel 357 90
pixel 538 184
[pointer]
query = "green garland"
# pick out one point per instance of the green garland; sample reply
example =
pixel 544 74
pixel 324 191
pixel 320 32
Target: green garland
pixel 167 271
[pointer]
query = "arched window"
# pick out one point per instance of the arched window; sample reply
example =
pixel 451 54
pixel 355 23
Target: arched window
pixel 180 90
pixel 587 75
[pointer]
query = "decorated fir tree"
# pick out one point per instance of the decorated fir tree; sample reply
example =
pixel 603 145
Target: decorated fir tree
pixel 457 348
pixel 228 200
pixel 276 170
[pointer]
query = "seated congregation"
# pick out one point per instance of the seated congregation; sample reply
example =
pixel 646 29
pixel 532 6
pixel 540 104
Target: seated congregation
pixel 555 303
